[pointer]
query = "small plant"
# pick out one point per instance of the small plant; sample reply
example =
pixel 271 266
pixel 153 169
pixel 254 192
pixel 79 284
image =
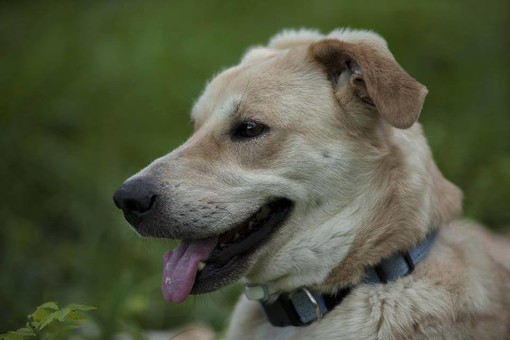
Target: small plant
pixel 43 322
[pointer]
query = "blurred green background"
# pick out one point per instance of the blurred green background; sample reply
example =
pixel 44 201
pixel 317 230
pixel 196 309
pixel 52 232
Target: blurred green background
pixel 90 92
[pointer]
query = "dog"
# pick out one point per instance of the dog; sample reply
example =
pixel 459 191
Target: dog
pixel 308 177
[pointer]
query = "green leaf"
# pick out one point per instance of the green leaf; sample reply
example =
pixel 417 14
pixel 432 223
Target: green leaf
pixel 39 315
pixel 25 331
pixel 49 305
pixel 10 336
pixel 19 334
pixel 61 315
pixel 80 307
pixel 57 315
pixel 42 312
pixel 45 322
pixel 77 316
pixel 44 315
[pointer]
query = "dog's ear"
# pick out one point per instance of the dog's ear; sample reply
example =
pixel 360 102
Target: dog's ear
pixel 376 78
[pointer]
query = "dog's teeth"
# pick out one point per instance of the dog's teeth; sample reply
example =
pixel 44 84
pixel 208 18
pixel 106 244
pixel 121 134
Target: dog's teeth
pixel 250 225
pixel 201 265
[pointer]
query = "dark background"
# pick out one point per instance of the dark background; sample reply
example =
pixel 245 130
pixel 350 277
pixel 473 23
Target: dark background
pixel 90 92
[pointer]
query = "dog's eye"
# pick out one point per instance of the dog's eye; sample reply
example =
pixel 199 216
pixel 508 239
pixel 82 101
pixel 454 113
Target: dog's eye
pixel 249 130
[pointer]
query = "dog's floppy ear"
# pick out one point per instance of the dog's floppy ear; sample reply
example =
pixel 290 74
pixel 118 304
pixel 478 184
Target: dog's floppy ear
pixel 375 77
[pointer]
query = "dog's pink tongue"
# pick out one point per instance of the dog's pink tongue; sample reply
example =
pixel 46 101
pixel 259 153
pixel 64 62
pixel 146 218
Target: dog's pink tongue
pixel 180 267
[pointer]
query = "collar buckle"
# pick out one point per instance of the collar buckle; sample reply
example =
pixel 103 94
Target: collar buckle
pixel 256 292
pixel 311 299
pixel 299 308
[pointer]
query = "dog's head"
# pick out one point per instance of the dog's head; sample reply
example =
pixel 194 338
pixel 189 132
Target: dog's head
pixel 296 157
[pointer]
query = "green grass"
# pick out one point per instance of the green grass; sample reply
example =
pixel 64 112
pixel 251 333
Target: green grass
pixel 93 91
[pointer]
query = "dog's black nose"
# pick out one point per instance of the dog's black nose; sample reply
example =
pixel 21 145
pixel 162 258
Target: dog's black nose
pixel 136 197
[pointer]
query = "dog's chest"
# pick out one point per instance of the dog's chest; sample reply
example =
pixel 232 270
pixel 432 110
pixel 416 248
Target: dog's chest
pixel 391 311
pixel 325 329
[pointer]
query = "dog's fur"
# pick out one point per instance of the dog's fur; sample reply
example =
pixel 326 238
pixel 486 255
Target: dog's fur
pixel 345 147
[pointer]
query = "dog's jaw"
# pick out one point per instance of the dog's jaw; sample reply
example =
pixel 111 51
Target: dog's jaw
pixel 315 247
pixel 203 265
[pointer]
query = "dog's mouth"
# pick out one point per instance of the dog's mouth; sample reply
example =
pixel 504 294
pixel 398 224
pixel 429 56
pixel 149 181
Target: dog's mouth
pixel 204 265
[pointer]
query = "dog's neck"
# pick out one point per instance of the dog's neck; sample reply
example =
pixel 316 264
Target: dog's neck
pixel 406 210
pixel 304 306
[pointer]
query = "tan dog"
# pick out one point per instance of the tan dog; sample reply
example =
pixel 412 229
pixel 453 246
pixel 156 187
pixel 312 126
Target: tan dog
pixel 306 169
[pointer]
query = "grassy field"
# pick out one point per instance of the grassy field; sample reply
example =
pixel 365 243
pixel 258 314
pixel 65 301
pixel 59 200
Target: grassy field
pixel 93 91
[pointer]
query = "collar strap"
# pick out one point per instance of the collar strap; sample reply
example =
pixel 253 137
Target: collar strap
pixel 304 306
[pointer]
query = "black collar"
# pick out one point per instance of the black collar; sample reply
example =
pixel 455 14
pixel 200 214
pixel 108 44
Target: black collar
pixel 304 306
